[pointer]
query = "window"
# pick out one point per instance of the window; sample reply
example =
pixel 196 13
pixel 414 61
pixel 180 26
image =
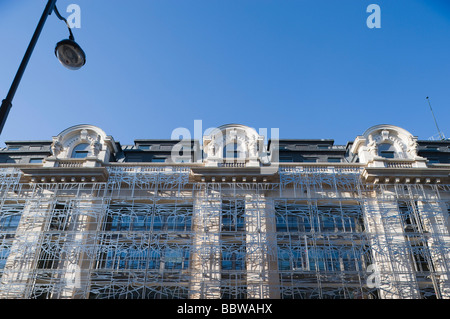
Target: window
pixel 9 221
pixel 80 151
pixel 164 217
pixel 36 160
pixel 50 254
pixel 387 154
pixel 432 160
pixel 176 258
pixel 233 260
pixel 233 286
pixel 294 218
pixel 334 160
pixel 386 150
pixel 10 218
pixel 284 259
pixel 233 212
pixel 4 253
pixel 419 253
pixel 59 218
pixel 309 160
pixel 154 258
pixel 232 150
pixel 286 159
pixel 134 159
pixel 291 258
pixel 158 160
pixel 410 216
pixel 182 159
pixel 118 222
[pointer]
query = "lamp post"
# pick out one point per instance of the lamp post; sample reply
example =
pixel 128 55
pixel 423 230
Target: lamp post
pixel 67 51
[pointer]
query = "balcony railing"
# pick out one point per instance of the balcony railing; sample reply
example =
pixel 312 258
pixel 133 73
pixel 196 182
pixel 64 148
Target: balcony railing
pixel 71 163
pixel 399 165
pixel 231 164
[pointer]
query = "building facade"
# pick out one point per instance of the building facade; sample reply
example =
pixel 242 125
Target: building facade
pixel 233 216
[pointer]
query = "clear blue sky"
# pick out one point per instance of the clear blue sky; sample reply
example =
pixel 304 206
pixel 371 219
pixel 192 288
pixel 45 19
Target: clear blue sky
pixel 311 68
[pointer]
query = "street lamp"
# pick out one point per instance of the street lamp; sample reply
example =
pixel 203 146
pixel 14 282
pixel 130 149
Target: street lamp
pixel 67 51
pixel 70 54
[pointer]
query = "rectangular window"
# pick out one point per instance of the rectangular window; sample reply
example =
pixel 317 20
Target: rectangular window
pixel 286 159
pixel 419 252
pixel 146 217
pixel 233 260
pixel 4 253
pixel 233 286
pixel 284 262
pixel 9 223
pixel 59 218
pixel 134 159
pixel 176 258
pixel 233 215
pixel 119 222
pixel 80 154
pixel 184 159
pixel 36 160
pixel 410 216
pixel 334 160
pixel 50 254
pixel 291 258
pixel 232 151
pixel 10 217
pixel 387 154
pixel 154 258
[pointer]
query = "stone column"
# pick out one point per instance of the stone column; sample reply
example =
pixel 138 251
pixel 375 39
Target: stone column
pixel 78 251
pixel 256 247
pixel 262 257
pixel 389 249
pixel 21 262
pixel 206 252
pixel 437 238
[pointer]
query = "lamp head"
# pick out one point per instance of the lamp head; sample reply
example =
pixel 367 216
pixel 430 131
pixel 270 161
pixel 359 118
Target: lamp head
pixel 70 54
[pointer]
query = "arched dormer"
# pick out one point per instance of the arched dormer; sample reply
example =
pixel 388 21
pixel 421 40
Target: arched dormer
pixel 82 142
pixel 385 142
pixel 233 144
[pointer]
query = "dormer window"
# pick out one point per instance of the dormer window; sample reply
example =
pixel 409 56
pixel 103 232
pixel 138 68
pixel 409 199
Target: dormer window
pixel 80 151
pixel 232 150
pixel 386 150
pixel 234 143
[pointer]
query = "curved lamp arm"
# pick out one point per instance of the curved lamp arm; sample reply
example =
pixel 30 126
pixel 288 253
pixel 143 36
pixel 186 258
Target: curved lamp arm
pixel 60 17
